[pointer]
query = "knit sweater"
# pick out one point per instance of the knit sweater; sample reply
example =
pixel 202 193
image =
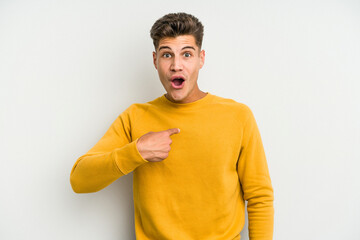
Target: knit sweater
pixel 216 162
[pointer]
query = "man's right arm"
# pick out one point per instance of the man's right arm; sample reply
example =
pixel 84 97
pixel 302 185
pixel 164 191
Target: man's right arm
pixel 113 156
pixel 116 154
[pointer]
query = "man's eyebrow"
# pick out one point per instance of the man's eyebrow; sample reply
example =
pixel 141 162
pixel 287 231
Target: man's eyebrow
pixel 163 47
pixel 166 47
pixel 188 47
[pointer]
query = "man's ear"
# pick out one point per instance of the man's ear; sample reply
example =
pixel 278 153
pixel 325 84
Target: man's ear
pixel 202 58
pixel 154 59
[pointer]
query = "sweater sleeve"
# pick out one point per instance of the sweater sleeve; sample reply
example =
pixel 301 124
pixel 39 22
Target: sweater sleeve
pixel 255 182
pixel 113 156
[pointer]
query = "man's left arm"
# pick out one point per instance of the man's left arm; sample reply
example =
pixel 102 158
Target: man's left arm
pixel 255 182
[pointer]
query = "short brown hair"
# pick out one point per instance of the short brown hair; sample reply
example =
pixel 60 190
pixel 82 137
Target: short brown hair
pixel 177 24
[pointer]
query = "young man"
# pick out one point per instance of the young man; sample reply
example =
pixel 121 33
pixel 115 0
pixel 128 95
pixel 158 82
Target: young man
pixel 196 189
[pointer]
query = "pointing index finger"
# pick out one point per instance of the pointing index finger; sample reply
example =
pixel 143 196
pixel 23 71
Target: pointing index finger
pixel 172 131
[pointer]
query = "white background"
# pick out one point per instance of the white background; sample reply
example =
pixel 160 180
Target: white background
pixel 69 68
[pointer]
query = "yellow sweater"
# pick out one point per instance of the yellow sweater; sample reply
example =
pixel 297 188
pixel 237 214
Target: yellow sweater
pixel 215 163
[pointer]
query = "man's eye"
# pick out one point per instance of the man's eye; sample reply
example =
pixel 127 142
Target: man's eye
pixel 167 55
pixel 187 54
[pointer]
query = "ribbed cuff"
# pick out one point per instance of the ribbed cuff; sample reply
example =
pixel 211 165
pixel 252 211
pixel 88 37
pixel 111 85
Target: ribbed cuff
pixel 128 157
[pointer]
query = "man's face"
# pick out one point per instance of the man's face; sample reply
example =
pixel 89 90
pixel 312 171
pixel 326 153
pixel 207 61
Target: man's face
pixel 179 58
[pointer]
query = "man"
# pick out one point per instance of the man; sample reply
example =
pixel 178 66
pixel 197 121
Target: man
pixel 196 189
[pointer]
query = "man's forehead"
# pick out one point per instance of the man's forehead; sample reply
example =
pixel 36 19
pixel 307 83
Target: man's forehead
pixel 179 42
pixel 169 48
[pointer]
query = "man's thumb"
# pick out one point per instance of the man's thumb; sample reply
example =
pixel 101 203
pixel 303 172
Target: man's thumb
pixel 172 131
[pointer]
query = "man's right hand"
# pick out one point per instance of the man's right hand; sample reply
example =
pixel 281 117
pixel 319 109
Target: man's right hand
pixel 155 146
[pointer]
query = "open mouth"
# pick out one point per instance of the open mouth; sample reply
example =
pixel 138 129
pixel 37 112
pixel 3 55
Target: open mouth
pixel 178 82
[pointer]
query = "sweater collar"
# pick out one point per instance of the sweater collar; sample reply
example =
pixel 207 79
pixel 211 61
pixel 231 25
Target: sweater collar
pixel 192 105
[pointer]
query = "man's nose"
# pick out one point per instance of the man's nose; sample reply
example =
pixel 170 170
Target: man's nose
pixel 176 64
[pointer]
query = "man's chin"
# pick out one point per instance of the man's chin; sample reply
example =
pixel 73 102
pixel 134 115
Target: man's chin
pixel 175 97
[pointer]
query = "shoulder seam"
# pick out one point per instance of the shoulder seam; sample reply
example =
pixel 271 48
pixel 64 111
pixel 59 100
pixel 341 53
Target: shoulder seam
pixel 138 116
